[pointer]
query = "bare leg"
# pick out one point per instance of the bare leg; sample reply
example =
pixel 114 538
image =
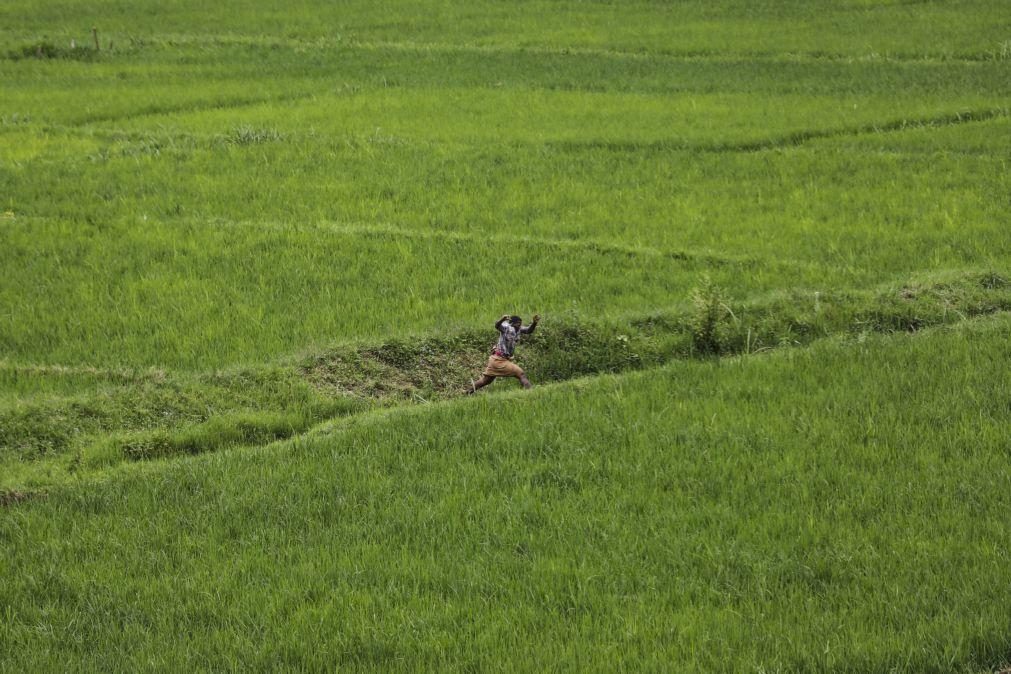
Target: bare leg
pixel 480 383
pixel 526 382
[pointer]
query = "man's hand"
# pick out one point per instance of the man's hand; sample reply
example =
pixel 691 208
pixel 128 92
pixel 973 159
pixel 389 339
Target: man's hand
pixel 537 317
pixel 505 317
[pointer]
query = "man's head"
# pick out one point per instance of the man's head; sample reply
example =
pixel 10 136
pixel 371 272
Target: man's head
pixel 515 321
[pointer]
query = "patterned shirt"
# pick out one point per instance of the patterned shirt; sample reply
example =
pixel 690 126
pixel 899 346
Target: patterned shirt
pixel 508 336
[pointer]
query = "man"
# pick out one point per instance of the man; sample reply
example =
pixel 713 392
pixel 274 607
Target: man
pixel 500 363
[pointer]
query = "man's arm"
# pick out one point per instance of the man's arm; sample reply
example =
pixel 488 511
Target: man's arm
pixel 528 329
pixel 501 321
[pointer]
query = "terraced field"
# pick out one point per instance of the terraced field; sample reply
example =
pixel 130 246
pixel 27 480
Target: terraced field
pixel 252 257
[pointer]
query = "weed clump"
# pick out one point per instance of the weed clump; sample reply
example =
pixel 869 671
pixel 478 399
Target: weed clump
pixel 710 324
pixel 395 352
pixel 993 281
pixel 248 135
pixel 10 497
pixel 48 50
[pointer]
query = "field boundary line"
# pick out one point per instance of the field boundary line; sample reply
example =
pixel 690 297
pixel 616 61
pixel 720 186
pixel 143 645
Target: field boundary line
pixel 172 41
pixel 224 105
pixel 125 373
pixel 152 111
pixel 366 229
pixel 793 139
pixel 785 141
pixel 951 119
pixel 671 55
pixel 588 245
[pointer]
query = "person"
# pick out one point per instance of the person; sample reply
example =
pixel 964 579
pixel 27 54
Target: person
pixel 500 363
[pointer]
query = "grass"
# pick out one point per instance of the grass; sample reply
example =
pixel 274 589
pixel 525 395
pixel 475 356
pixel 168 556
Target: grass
pixel 144 244
pixel 201 294
pixel 839 507
pixel 971 29
pixel 63 423
pixel 251 258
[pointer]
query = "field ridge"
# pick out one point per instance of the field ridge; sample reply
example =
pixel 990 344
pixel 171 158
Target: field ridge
pixel 378 229
pixel 786 140
pixel 407 373
pixel 792 139
pixel 151 413
pixel 694 55
pixel 168 43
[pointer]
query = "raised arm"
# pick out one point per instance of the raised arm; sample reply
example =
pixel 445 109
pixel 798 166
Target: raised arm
pixel 528 329
pixel 502 321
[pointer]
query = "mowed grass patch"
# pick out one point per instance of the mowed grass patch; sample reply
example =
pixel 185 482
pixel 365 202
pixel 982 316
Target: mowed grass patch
pixel 56 423
pixel 840 507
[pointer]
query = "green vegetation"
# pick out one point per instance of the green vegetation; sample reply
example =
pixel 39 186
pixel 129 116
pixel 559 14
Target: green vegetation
pixel 63 422
pixel 837 507
pixel 251 257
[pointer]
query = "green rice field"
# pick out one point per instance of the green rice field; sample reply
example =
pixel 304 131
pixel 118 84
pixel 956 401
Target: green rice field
pixel 252 255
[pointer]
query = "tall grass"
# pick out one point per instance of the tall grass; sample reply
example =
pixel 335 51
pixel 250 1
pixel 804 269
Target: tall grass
pixel 235 231
pixel 64 422
pixel 965 29
pixel 121 179
pixel 131 266
pixel 839 508
pixel 199 295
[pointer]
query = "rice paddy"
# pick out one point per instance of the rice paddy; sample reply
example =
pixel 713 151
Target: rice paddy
pixel 252 258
